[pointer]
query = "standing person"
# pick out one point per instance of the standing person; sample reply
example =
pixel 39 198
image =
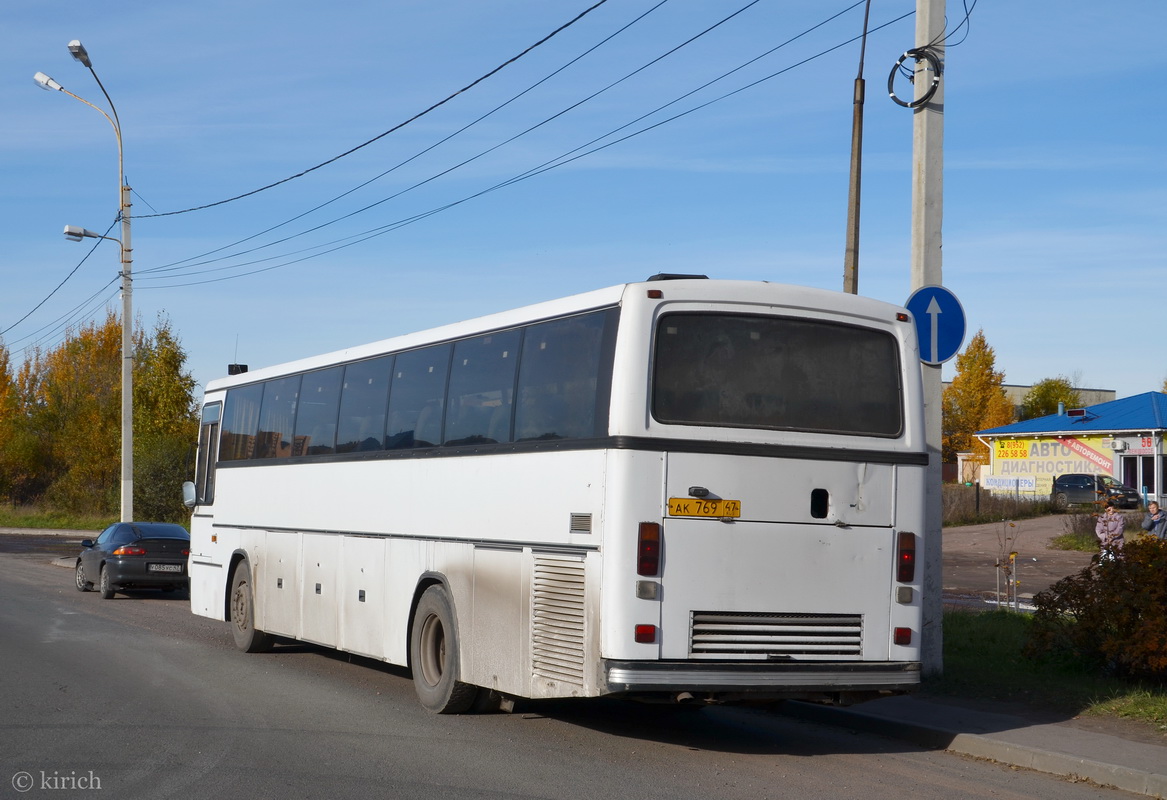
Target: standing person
pixel 1108 529
pixel 1155 522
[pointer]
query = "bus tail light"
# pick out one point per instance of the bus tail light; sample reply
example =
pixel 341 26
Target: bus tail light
pixel 906 557
pixel 644 634
pixel 648 549
pixel 902 636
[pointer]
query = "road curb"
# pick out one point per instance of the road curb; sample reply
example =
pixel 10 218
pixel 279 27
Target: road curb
pixel 1130 779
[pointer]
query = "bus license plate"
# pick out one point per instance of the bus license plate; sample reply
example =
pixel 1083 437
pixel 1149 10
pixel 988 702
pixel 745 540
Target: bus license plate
pixel 692 507
pixel 164 567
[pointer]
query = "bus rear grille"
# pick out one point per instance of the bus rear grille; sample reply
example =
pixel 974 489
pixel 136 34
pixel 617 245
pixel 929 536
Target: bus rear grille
pixel 752 635
pixel 557 619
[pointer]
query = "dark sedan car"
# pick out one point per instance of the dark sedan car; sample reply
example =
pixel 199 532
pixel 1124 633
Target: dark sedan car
pixel 1085 489
pixel 134 555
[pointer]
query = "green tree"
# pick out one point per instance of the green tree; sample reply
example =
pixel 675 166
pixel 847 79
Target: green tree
pixel 25 453
pixel 60 423
pixel 78 410
pixel 1043 398
pixel 975 400
pixel 9 419
pixel 165 425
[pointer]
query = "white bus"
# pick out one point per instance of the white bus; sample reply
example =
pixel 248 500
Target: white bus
pixel 681 489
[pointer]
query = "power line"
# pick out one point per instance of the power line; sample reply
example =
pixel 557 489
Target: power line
pixel 566 158
pixel 503 143
pixel 72 272
pixel 396 127
pixel 64 323
pixel 335 158
pixel 173 265
pixel 653 61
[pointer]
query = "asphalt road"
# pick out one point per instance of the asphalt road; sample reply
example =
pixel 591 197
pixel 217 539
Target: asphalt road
pixel 144 699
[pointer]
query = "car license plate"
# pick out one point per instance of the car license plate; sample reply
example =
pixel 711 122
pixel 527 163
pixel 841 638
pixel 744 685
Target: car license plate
pixel 164 567
pixel 693 507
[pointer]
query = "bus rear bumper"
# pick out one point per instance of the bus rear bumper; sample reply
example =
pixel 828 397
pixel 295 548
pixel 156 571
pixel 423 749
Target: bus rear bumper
pixel 838 683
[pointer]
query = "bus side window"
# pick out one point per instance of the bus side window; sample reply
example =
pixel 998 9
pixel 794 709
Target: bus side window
pixel 364 398
pixel 276 416
pixel 316 416
pixel 558 379
pixel 482 381
pixel 418 398
pixel 240 423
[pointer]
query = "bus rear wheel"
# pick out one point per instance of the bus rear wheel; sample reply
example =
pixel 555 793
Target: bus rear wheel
pixel 242 608
pixel 433 656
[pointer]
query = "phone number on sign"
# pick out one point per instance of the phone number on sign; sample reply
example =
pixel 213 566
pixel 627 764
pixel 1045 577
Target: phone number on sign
pixel 1012 450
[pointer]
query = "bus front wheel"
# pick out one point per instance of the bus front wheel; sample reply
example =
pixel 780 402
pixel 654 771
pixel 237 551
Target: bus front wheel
pixel 242 599
pixel 433 656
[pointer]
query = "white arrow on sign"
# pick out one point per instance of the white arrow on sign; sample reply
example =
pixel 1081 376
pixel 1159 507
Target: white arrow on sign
pixel 934 313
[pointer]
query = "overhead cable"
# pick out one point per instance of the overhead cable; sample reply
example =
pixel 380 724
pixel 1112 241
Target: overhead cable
pixel 396 127
pixel 569 157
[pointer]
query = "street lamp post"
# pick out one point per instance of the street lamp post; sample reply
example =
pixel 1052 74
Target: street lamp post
pixel 45 82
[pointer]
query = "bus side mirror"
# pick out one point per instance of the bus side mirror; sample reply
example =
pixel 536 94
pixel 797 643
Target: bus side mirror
pixel 188 494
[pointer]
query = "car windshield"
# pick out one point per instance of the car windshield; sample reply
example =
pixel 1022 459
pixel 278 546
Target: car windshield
pixel 159 530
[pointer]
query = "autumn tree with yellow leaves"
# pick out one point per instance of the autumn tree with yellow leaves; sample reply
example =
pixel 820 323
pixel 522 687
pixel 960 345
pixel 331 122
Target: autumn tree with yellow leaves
pixel 60 423
pixel 974 401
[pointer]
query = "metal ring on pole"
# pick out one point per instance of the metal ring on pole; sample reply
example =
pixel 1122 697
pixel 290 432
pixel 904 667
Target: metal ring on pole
pixel 920 54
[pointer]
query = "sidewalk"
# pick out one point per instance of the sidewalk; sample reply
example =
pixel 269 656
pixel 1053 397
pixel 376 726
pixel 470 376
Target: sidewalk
pixel 1057 748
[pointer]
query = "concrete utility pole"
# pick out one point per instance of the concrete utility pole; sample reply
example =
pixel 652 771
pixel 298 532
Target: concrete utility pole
pixel 851 254
pixel 927 214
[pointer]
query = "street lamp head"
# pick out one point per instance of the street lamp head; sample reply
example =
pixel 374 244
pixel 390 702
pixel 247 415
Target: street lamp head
pixel 79 53
pixel 47 83
pixel 75 234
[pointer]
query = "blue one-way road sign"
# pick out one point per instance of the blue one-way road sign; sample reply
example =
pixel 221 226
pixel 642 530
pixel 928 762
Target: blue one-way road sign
pixel 939 323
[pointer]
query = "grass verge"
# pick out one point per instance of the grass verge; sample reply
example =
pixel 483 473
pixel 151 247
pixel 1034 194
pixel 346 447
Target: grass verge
pixel 983 660
pixel 34 517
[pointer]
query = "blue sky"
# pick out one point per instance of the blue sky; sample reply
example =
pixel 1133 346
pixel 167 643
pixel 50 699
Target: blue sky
pixel 1055 203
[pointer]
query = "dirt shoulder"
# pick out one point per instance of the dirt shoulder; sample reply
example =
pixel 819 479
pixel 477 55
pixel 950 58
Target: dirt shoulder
pixel 972 553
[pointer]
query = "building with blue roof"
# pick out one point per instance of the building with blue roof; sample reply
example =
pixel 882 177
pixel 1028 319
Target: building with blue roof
pixel 1121 438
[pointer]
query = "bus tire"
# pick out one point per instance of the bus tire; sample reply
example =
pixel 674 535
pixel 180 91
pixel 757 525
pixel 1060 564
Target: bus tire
pixel 242 608
pixel 433 656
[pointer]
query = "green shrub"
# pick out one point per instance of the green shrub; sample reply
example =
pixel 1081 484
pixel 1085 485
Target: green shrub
pixel 1112 614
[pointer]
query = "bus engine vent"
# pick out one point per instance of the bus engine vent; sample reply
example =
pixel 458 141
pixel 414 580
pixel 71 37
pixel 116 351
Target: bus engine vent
pixel 754 635
pixel 557 619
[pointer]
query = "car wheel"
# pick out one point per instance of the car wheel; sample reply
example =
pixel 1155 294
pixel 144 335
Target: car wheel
pixel 242 611
pixel 104 586
pixel 1061 501
pixel 83 585
pixel 433 656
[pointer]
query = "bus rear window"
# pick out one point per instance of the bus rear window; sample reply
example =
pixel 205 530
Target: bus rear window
pixel 776 373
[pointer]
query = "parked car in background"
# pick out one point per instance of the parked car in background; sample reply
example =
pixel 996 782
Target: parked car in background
pixel 1080 488
pixel 134 555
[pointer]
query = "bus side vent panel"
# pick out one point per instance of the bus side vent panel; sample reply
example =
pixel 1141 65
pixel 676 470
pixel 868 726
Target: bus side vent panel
pixel 759 636
pixel 580 523
pixel 557 619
